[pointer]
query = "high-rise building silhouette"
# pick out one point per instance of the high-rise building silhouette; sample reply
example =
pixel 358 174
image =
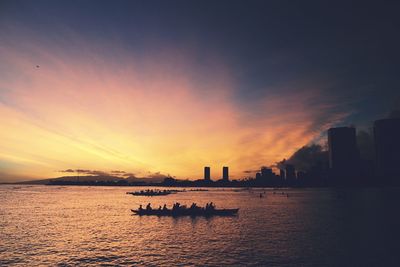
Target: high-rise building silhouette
pixel 387 149
pixel 267 176
pixel 266 173
pixel 282 174
pixel 207 174
pixel 343 155
pixel 290 173
pixel 225 173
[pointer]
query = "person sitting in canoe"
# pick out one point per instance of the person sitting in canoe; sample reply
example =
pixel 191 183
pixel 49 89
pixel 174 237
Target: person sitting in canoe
pixel 165 207
pixel 193 206
pixel 176 206
pixel 140 207
pixel 148 207
pixel 210 207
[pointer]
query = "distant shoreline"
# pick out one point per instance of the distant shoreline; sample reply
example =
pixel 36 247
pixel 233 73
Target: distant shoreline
pixel 192 185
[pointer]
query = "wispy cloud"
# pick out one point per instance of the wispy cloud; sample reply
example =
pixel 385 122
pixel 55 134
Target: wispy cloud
pixel 116 173
pixel 117 110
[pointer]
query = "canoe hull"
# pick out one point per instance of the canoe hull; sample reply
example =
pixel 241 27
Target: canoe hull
pixel 220 212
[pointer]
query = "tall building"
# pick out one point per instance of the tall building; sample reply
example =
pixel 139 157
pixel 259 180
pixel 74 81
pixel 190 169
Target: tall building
pixel 207 174
pixel 225 173
pixel 387 148
pixel 282 174
pixel 266 176
pixel 266 173
pixel 343 155
pixel 290 172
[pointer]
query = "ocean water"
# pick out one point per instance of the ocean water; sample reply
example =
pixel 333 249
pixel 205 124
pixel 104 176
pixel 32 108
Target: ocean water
pixel 93 226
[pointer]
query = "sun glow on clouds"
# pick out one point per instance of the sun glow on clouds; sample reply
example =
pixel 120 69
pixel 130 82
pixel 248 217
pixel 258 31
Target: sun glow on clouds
pixel 138 114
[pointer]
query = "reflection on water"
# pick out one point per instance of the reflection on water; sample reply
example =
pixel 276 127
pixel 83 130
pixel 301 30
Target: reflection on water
pixel 48 225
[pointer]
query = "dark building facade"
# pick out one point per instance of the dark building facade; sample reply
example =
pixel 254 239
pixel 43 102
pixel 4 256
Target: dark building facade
pixel 225 173
pixel 265 177
pixel 387 150
pixel 282 174
pixel 290 174
pixel 207 174
pixel 266 174
pixel 343 155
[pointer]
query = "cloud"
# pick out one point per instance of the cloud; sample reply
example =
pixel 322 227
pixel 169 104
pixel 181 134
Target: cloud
pixel 68 170
pixel 89 172
pixel 251 171
pixel 115 173
pixel 129 175
pixel 306 158
pixel 144 113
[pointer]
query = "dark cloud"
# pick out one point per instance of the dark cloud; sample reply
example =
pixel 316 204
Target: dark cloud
pixel 306 158
pixel 68 170
pixel 92 172
pixel 129 175
pixel 83 171
pixel 250 171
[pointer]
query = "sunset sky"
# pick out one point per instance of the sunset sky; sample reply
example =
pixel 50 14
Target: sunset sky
pixel 169 87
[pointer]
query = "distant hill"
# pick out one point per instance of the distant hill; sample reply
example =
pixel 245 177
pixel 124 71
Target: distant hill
pixel 94 178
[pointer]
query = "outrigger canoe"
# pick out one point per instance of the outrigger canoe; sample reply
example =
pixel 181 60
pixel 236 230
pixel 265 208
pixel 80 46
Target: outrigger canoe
pixel 186 212
pixel 150 194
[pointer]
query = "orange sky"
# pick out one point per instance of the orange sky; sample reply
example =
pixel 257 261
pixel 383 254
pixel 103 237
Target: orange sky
pixel 139 114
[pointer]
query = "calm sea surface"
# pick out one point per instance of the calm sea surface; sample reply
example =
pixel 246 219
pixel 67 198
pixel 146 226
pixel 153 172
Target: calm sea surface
pixel 67 226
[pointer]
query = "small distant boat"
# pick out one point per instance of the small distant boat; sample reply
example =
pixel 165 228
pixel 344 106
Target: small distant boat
pixel 198 190
pixel 186 212
pixel 151 193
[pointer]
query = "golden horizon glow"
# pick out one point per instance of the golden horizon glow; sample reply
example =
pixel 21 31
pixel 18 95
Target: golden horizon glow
pixel 151 114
